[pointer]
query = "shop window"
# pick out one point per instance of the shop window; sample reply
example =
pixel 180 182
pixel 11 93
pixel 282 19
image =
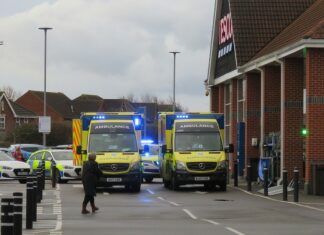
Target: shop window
pixel 2 122
pixel 240 100
pixel 227 99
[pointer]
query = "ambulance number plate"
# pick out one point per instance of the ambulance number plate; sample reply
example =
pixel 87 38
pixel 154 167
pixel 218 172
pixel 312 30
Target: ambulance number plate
pixel 114 179
pixel 202 178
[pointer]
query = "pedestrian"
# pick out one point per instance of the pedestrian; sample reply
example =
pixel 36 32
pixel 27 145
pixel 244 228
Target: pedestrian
pixel 18 154
pixel 90 176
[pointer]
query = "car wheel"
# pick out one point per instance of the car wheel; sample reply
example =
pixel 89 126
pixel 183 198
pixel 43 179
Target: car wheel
pixel 22 181
pixel 148 179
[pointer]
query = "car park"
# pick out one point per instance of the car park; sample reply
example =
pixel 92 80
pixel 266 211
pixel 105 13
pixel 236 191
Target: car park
pixel 63 160
pixel 12 169
pixel 150 161
pixel 26 149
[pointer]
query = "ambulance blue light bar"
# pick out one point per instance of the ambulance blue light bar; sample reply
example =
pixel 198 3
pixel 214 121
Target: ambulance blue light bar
pixel 182 116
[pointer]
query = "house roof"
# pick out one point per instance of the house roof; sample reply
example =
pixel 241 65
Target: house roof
pixel 87 103
pixel 257 22
pixel 58 101
pixel 116 105
pixel 308 25
pixel 21 111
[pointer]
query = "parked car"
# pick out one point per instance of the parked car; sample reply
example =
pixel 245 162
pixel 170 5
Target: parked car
pixel 10 168
pixel 26 149
pixel 63 160
pixel 6 150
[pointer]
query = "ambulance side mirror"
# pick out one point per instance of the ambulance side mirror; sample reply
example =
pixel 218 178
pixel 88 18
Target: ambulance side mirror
pixel 229 148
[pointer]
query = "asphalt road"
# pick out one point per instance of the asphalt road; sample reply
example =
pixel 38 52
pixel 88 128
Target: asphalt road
pixel 156 210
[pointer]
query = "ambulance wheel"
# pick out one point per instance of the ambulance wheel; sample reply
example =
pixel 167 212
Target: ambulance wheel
pixel 148 179
pixel 223 186
pixel 174 182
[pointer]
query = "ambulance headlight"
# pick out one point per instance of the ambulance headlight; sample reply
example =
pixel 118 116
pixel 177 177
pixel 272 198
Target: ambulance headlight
pixel 180 165
pixel 135 166
pixel 222 165
pixel 8 168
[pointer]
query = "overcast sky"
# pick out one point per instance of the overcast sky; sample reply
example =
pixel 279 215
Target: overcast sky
pixel 111 48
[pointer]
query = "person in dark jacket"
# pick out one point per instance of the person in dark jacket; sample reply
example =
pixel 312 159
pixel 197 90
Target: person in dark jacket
pixel 90 176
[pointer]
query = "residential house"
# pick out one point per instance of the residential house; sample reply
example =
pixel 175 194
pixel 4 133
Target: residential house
pixel 13 115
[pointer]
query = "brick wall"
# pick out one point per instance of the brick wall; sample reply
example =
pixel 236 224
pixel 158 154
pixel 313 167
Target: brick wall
pixel 293 115
pixel 315 108
pixel 214 99
pixel 272 76
pixel 252 116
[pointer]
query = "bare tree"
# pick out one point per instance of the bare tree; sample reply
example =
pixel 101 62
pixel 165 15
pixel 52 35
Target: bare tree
pixel 148 98
pixel 10 92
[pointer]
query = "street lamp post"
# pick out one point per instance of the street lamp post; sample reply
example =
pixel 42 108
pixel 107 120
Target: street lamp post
pixel 174 69
pixel 45 48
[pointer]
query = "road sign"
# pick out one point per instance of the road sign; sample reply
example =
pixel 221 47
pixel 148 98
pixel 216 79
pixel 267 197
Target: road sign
pixel 44 124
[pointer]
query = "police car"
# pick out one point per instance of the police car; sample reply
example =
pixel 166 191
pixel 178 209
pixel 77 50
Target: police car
pixel 150 160
pixel 12 169
pixel 63 159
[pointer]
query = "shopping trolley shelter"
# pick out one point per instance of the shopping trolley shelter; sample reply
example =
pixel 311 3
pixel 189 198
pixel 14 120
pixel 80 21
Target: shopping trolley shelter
pixel 266 73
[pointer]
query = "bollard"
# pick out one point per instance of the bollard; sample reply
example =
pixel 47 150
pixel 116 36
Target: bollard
pixel 284 185
pixel 17 214
pixel 29 203
pixel 7 223
pixel 235 174
pixel 296 185
pixel 39 196
pixel 34 199
pixel 43 175
pixel 266 179
pixel 249 178
pixel 54 172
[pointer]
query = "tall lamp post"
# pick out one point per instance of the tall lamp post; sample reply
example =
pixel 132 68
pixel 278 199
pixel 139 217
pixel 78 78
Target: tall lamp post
pixel 174 69
pixel 45 48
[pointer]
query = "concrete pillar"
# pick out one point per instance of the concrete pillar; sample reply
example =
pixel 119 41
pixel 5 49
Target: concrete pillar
pixel 233 121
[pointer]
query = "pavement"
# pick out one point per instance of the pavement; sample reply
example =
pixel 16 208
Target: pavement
pixel 49 213
pixel 275 193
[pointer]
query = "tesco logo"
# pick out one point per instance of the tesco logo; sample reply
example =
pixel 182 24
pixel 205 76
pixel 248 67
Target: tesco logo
pixel 225 29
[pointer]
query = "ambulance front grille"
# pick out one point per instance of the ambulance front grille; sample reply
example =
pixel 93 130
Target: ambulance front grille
pixel 114 167
pixel 201 166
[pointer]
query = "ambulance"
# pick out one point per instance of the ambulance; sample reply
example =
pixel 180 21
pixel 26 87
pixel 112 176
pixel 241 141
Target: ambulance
pixel 192 150
pixel 115 138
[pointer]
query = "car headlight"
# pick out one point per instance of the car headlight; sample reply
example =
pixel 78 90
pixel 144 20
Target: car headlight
pixel 180 165
pixel 222 165
pixel 7 168
pixel 68 167
pixel 135 166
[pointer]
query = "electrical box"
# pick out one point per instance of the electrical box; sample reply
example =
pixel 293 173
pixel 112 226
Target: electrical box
pixel 254 142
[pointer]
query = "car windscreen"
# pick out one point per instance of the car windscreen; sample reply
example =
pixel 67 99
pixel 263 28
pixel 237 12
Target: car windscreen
pixel 113 142
pixel 5 157
pixel 63 155
pixel 198 141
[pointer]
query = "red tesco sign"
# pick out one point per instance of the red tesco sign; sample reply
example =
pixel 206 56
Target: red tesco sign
pixel 225 29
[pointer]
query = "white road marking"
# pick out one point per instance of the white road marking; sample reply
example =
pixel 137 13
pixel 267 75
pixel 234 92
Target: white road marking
pixel 105 193
pixel 150 191
pixel 77 186
pixel 189 213
pixel 210 221
pixel 275 200
pixel 234 231
pixel 201 192
pixel 173 203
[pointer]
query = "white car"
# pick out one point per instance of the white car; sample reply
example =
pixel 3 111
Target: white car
pixel 13 169
pixel 63 160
